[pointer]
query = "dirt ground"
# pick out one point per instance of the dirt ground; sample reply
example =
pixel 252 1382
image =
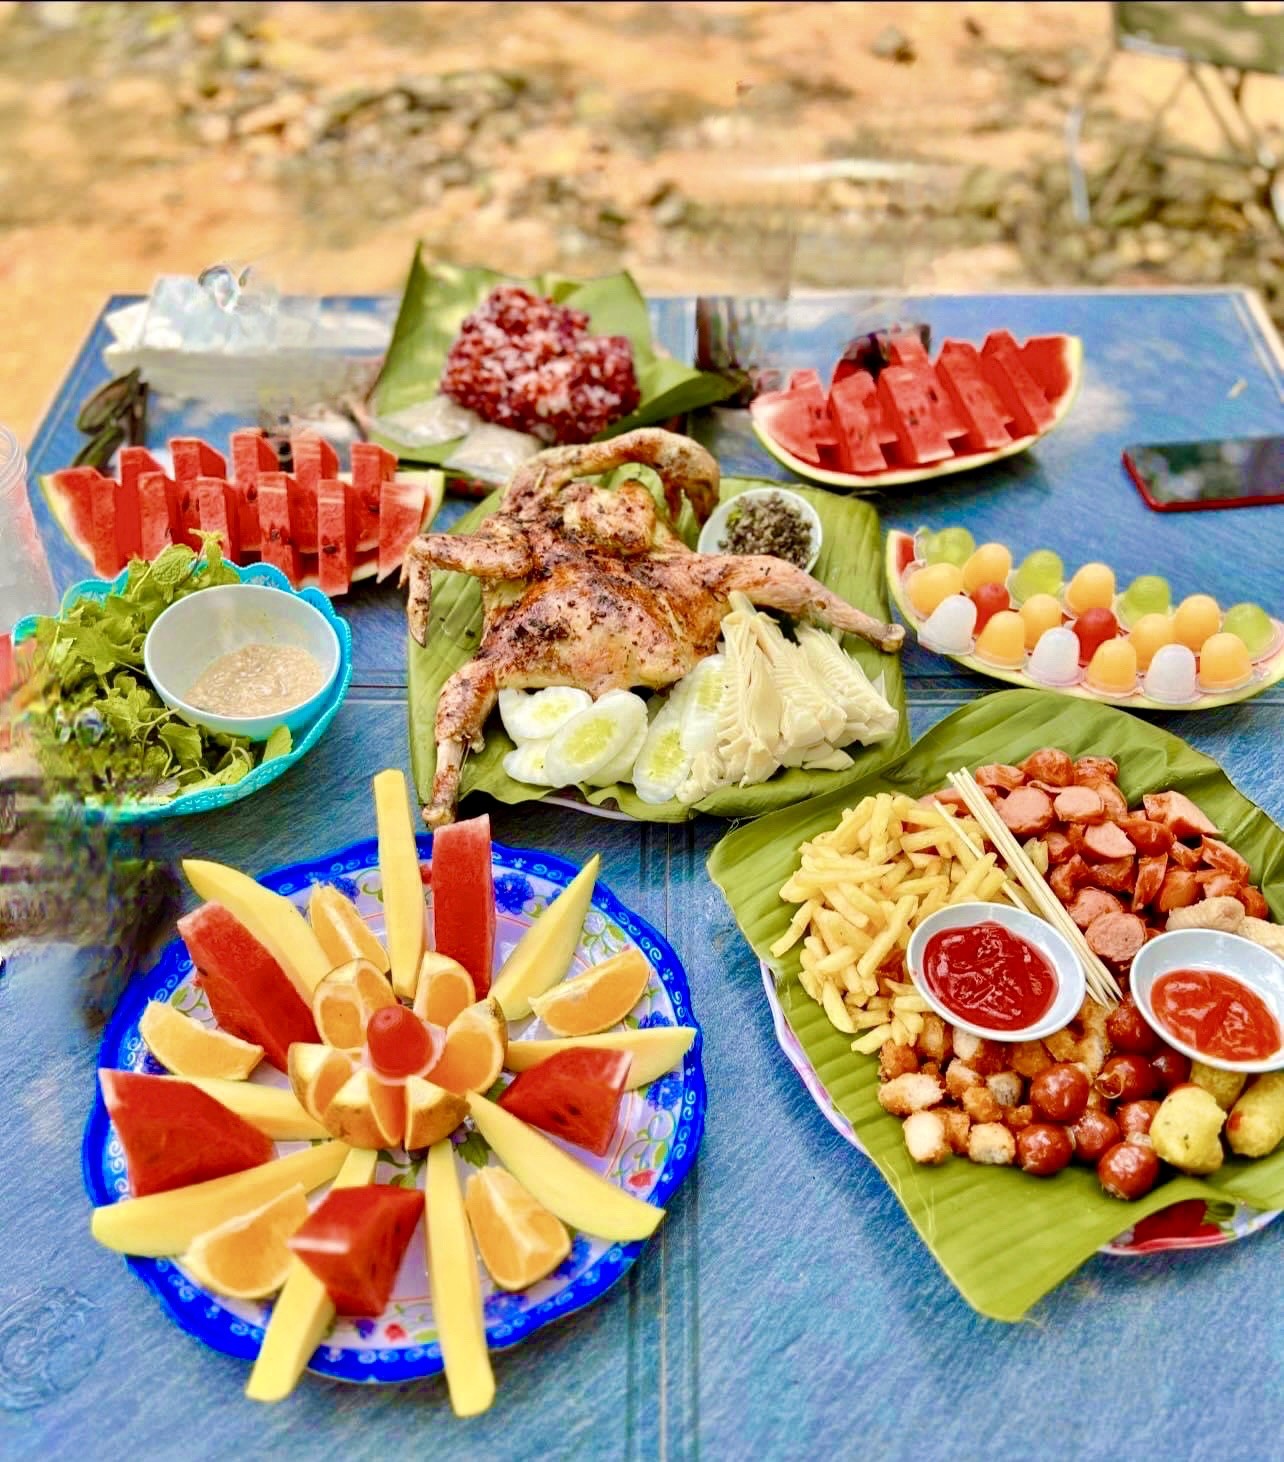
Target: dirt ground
pixel 745 146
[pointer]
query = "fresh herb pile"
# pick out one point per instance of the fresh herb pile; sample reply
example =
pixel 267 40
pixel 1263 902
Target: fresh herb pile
pixel 769 525
pixel 98 728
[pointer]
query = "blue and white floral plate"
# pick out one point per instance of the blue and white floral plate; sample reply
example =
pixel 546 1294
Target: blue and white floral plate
pixel 655 1143
pixel 210 799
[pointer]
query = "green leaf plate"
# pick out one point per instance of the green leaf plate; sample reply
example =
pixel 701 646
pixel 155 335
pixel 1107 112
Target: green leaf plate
pixel 1004 1239
pixel 438 296
pixel 850 563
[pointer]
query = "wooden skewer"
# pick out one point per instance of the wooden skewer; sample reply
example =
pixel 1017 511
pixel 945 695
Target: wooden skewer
pixel 1013 895
pixel 1102 985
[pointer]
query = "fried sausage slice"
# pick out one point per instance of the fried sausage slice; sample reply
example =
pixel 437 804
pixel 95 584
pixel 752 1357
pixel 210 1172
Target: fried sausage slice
pixel 1092 768
pixel 1218 855
pixel 1107 840
pixel 1115 938
pixel 1027 812
pixel 1080 804
pixel 1177 811
pixel 1148 837
pixel 1151 873
pixel 1180 889
pixel 1090 903
pixel 1049 765
pixel 999 774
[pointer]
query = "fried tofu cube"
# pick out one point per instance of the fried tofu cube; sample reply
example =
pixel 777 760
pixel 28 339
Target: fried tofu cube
pixel 1091 1051
pixel 925 1138
pixel 992 1144
pixel 934 1041
pixel 912 1092
pixel 1062 1045
pixel 895 1060
pixel 1006 1087
pixel 1029 1058
pixel 981 1105
pixel 959 1077
pixel 957 1126
pixel 1016 1118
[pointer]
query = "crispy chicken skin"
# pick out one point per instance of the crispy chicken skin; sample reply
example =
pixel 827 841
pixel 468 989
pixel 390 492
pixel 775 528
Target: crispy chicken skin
pixel 591 587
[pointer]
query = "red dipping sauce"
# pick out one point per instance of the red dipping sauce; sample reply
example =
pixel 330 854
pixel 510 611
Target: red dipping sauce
pixel 989 976
pixel 1216 1014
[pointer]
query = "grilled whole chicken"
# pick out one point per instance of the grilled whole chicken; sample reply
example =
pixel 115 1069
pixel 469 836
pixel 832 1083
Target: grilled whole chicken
pixel 591 587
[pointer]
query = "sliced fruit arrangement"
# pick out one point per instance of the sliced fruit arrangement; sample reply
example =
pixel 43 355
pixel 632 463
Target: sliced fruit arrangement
pixel 1080 634
pixel 893 415
pixel 380 1072
pixel 319 527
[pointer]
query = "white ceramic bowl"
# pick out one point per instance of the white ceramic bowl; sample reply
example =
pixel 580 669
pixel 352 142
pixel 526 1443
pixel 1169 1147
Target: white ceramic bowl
pixel 712 532
pixel 1054 947
pixel 196 630
pixel 1209 949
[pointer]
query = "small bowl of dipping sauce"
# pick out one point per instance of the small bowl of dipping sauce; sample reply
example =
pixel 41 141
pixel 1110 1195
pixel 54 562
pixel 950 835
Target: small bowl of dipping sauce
pixel 243 659
pixel 765 520
pixel 996 971
pixel 1216 997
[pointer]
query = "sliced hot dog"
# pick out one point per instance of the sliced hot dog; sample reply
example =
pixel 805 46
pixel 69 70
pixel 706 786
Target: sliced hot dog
pixel 1148 837
pixel 1027 812
pixel 1049 765
pixel 1184 856
pixel 1117 874
pixel 1090 903
pixel 999 774
pixel 1105 840
pixel 1060 848
pixel 1220 885
pixel 1091 768
pixel 1115 937
pixel 1177 811
pixel 1080 804
pixel 1217 855
pixel 1116 802
pixel 1067 878
pixel 1254 901
pixel 1180 889
pixel 1150 879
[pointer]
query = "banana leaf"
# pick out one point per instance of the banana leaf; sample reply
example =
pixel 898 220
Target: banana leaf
pixel 438 296
pixel 851 564
pixel 1005 1239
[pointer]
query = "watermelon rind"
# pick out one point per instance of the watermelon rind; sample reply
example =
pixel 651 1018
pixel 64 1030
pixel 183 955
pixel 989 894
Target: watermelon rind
pixel 871 482
pixel 1267 672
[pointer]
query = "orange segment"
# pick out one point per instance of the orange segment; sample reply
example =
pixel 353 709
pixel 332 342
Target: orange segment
pixel 346 999
pixel 188 1048
pixel 341 931
pixel 476 1041
pixel 316 1074
pixel 519 1239
pixel 443 990
pixel 246 1258
pixel 597 999
pixel 432 1113
pixel 366 1112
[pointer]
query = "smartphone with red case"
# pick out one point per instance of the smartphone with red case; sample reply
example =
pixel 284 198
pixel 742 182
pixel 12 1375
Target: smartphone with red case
pixel 1184 477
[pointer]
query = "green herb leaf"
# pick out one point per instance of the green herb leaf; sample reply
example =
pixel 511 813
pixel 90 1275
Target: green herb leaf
pixel 474 1149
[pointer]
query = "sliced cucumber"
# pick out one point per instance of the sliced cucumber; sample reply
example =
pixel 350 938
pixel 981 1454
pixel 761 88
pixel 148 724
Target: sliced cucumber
pixel 662 766
pixel 525 763
pixel 701 697
pixel 538 715
pixel 591 743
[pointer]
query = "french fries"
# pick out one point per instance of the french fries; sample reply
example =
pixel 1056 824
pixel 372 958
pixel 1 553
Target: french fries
pixel 861 889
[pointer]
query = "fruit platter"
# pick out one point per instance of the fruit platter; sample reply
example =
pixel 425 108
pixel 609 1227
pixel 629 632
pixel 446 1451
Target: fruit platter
pixel 1082 635
pixel 891 416
pixel 307 1089
pixel 981 1176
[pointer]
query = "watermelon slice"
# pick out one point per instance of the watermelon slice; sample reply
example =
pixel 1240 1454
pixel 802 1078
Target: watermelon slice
pixel 276 523
pixel 463 898
pixel 133 462
pixel 251 454
pixel 194 458
pixel 250 994
pixel 106 551
pixel 217 511
pixel 75 487
pixel 337 531
pixel 787 416
pixel 920 437
pixel 858 417
pixel 154 491
pixel 401 511
pixel 354 1242
pixel 978 407
pixel 372 466
pixel 173 1134
pixel 314 459
pixel 574 1094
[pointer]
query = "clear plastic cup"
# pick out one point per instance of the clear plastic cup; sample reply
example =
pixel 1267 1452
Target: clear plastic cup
pixel 26 585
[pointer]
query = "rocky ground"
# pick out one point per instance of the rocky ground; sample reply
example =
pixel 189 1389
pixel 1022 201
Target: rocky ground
pixel 735 146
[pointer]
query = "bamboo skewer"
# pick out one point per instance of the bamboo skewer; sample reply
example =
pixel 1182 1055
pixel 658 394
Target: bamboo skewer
pixel 1012 894
pixel 1102 985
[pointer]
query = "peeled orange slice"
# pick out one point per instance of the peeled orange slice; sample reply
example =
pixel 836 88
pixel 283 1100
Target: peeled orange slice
pixel 597 999
pixel 316 1074
pixel 246 1258
pixel 476 1041
pixel 444 988
pixel 343 933
pixel 365 1112
pixel 432 1113
pixel 346 999
pixel 188 1048
pixel 519 1239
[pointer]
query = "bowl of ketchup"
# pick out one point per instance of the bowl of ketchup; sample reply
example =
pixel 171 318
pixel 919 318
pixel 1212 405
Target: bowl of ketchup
pixel 996 971
pixel 1216 997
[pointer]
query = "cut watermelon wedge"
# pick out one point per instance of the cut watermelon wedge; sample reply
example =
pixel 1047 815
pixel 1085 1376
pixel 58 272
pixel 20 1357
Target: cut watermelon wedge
pixel 574 1095
pixel 276 523
pixel 216 510
pixel 372 466
pixel 401 510
pixel 154 490
pixel 337 532
pixel 314 459
pixel 463 899
pixel 251 454
pixel 926 419
pixel 355 1240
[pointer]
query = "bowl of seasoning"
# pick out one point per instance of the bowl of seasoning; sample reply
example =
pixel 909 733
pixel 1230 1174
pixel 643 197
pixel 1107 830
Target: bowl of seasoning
pixel 243 659
pixel 996 971
pixel 765 520
pixel 1216 997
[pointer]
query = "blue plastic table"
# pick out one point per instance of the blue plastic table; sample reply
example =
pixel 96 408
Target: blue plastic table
pixel 786 1307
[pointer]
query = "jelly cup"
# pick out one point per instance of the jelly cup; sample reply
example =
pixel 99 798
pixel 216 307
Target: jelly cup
pixel 945 545
pixel 1002 642
pixel 1150 634
pixel 990 564
pixel 950 627
pixel 928 585
pixel 1195 619
pixel 1172 675
pixel 1093 587
pixel 1224 663
pixel 1113 668
pixel 1040 572
pixel 1055 659
pixel 1147 594
pixel 1039 613
pixel 1254 626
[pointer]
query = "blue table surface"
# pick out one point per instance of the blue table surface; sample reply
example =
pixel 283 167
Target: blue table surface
pixel 785 1305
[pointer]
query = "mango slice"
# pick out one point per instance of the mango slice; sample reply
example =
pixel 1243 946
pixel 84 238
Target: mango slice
pixel 303 1311
pixel 576 1194
pixel 403 890
pixel 543 954
pixel 456 1288
pixel 166 1223
pixel 272 1109
pixel 655 1050
pixel 270 917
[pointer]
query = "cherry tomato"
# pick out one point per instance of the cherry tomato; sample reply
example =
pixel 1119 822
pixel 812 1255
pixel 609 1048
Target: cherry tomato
pixel 989 600
pixel 1043 1148
pixel 1095 1133
pixel 1059 1093
pixel 1134 1118
pixel 399 1042
pixel 1128 1170
pixel 1128 1078
pixel 1127 1030
pixel 1171 1068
